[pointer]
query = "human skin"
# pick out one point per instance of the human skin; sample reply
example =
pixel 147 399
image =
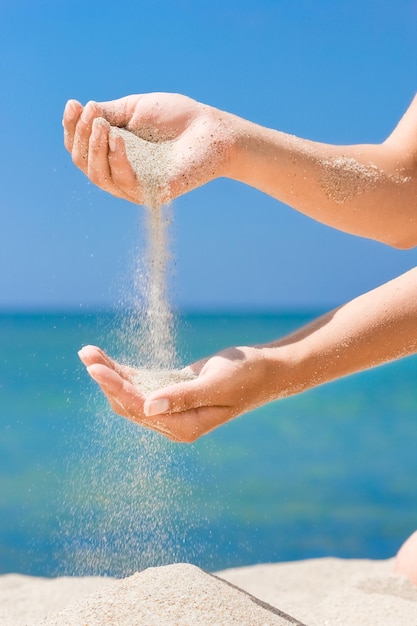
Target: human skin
pixel 405 562
pixel 201 135
pixel 368 190
pixel 372 329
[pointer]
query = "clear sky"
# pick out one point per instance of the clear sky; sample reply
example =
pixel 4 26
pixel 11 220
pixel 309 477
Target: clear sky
pixel 341 72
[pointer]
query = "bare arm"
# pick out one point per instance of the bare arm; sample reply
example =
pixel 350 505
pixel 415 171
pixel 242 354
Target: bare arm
pixel 377 327
pixel 367 190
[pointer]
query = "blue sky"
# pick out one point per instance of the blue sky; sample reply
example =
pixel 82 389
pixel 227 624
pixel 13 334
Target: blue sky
pixel 341 72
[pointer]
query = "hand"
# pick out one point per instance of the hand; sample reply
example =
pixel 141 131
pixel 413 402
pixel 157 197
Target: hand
pixel 226 385
pixel 201 137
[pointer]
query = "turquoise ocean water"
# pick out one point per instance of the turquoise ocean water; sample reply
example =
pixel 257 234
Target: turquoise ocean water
pixel 330 472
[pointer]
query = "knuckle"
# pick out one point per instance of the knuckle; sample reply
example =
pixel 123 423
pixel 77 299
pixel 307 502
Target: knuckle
pixel 68 141
pixel 79 156
pixel 79 161
pixel 94 175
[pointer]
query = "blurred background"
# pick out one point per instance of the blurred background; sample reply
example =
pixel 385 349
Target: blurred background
pixel 337 72
pixel 329 472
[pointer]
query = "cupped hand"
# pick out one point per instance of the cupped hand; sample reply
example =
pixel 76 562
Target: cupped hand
pixel 228 384
pixel 201 137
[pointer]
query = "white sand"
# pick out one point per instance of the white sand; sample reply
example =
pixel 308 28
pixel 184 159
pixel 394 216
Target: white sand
pixel 153 332
pixel 152 164
pixel 333 592
pixel 318 592
pixel 344 178
pixel 151 380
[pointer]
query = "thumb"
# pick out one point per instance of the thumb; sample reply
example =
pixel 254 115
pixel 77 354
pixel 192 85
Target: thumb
pixel 118 112
pixel 181 397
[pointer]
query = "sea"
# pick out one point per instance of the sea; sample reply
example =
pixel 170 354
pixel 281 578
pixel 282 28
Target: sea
pixel 331 472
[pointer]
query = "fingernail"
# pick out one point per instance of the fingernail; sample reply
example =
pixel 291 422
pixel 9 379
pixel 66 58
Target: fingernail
pixel 88 113
pixel 70 111
pixel 96 131
pixel 156 407
pixel 112 142
pixel 92 373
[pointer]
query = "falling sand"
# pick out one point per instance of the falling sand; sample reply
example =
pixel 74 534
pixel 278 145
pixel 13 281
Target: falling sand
pixel 139 507
pixel 153 166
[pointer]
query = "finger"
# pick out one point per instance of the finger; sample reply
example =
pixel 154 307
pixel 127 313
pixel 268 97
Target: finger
pixel 184 397
pixel 109 380
pixel 72 112
pixel 93 354
pixel 190 425
pixel 103 379
pixel 122 172
pixel 197 366
pixel 108 166
pixel 118 388
pixel 98 169
pixel 82 135
pixel 119 112
pixel 126 400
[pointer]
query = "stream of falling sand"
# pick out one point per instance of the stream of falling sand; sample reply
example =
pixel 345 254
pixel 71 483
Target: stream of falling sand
pixel 131 499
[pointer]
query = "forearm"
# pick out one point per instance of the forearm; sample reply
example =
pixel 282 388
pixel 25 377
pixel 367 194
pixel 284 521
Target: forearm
pixel 368 190
pixel 375 328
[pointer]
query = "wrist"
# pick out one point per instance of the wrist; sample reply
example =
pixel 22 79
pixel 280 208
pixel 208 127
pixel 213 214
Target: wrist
pixel 236 137
pixel 262 158
pixel 242 144
pixel 228 136
pixel 279 372
pixel 289 369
